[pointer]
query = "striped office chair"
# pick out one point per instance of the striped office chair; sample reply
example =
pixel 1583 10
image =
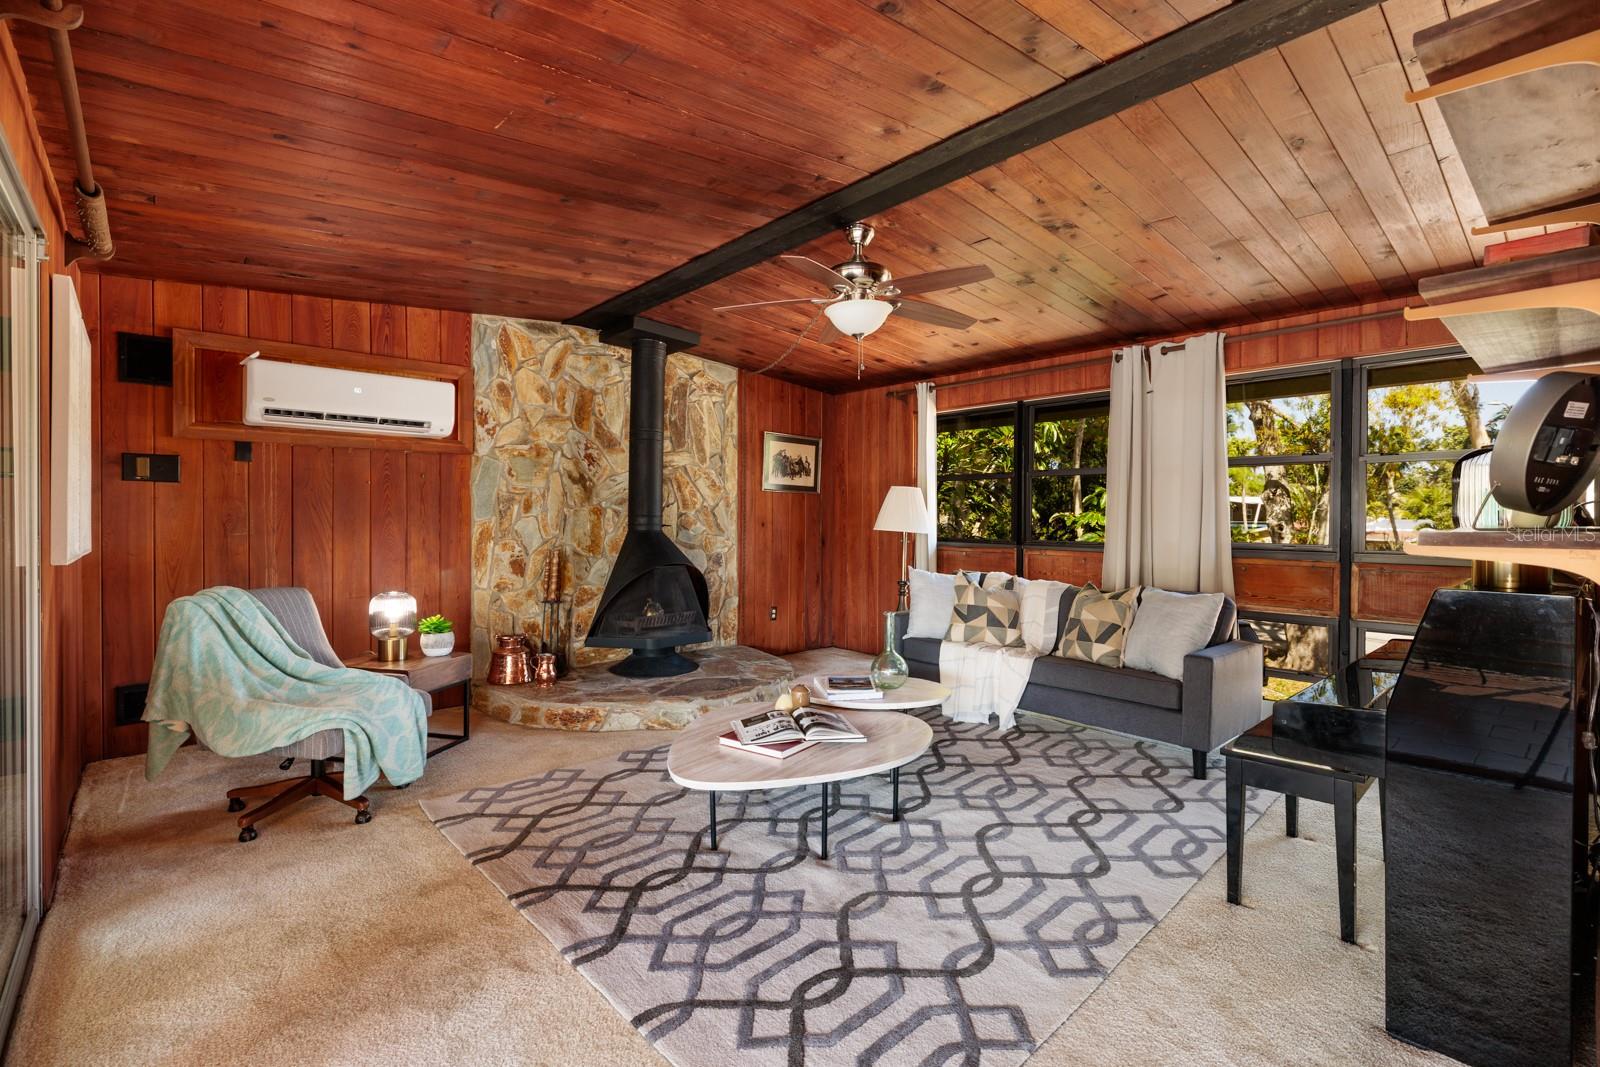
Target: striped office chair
pixel 297 611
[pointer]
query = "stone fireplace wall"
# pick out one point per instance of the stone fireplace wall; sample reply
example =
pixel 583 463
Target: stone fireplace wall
pixel 550 468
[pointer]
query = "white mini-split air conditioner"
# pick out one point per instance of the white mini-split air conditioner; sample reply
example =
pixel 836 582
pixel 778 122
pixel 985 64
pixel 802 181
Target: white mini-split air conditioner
pixel 326 398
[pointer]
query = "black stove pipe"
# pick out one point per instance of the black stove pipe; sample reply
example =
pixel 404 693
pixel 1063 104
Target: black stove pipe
pixel 646 432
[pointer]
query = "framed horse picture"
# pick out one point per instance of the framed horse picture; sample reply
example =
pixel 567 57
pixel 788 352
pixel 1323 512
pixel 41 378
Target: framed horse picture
pixel 790 464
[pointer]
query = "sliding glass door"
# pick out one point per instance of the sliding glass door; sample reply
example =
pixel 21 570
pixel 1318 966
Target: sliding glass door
pixel 20 621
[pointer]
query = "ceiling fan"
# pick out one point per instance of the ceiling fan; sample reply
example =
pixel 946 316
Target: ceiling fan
pixel 864 294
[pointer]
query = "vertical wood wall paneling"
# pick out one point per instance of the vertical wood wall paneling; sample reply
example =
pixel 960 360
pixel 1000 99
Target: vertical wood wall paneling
pixel 312 532
pixel 423 339
pixel 301 515
pixel 388 503
pixel 351 511
pixel 868 445
pixel 226 513
pixel 780 534
pixel 91 597
pixel 272 466
pixel 129 567
pixel 179 527
pixel 455 500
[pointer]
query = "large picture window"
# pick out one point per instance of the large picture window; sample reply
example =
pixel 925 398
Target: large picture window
pixel 1024 474
pixel 1067 475
pixel 1280 460
pixel 1418 419
pixel 977 463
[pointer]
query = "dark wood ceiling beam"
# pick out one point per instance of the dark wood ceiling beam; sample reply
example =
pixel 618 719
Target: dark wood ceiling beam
pixel 1244 29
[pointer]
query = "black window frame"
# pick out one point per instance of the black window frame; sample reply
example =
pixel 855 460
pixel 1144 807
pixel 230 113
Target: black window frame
pixel 1356 516
pixel 1023 467
pixel 952 420
pixel 1333 459
pixel 1090 404
pixel 1327 622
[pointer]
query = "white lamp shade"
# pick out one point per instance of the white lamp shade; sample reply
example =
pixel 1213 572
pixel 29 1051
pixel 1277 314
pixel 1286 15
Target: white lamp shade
pixel 858 316
pixel 904 511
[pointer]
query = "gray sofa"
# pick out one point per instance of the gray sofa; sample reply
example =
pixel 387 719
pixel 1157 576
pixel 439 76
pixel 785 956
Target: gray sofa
pixel 1218 698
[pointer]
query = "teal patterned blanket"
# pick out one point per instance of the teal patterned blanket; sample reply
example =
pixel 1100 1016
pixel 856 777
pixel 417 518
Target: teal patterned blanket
pixel 228 671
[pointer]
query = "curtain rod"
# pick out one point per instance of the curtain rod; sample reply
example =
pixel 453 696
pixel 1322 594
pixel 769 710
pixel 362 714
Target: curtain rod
pixel 1227 340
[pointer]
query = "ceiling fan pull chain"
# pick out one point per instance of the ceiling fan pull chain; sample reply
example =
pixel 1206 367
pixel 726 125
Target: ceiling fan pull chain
pixel 792 344
pixel 861 356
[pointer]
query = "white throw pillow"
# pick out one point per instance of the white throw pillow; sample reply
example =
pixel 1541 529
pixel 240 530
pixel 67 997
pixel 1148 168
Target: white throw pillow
pixel 1168 627
pixel 933 599
pixel 1041 611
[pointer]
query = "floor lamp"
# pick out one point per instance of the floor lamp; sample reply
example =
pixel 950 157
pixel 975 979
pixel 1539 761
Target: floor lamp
pixel 905 513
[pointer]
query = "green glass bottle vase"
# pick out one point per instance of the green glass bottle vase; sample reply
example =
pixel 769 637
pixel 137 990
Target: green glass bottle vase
pixel 889 670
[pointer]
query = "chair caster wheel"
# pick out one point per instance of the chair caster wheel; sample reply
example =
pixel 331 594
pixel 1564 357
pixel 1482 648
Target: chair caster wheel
pixel 406 786
pixel 286 764
pixel 236 803
pixel 247 834
pixel 363 817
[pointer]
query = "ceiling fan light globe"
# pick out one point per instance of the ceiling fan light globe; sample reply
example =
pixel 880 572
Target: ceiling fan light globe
pixel 858 316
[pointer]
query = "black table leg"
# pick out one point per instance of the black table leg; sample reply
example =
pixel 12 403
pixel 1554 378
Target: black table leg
pixel 466 722
pixel 894 780
pixel 1291 815
pixel 825 803
pixel 1383 817
pixel 1235 773
pixel 1344 829
pixel 713 795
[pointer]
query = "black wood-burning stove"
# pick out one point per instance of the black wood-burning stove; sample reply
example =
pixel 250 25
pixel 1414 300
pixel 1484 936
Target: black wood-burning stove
pixel 656 600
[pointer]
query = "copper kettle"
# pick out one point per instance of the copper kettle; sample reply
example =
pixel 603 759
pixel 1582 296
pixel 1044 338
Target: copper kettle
pixel 509 663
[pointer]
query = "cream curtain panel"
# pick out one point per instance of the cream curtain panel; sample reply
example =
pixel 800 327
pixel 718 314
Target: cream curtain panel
pixel 1167 469
pixel 927 545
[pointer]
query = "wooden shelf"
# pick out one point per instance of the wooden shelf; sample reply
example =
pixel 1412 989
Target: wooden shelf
pixel 1574 551
pixel 1507 79
pixel 1533 313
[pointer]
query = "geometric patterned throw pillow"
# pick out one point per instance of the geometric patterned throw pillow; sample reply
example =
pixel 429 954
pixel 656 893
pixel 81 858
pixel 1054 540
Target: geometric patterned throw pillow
pixel 1097 626
pixel 984 616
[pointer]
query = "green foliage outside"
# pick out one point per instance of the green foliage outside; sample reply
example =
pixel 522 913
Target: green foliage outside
pixel 1282 503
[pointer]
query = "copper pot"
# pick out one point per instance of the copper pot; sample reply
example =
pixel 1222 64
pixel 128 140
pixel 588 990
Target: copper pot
pixel 544 675
pixel 509 663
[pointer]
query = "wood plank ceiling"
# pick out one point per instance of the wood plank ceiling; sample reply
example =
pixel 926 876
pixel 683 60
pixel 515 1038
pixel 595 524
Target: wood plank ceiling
pixel 533 157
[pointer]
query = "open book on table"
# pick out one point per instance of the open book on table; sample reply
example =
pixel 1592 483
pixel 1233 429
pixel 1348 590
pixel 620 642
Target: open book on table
pixel 804 724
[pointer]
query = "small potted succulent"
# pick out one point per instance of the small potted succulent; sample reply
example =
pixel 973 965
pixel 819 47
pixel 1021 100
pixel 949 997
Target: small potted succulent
pixel 437 636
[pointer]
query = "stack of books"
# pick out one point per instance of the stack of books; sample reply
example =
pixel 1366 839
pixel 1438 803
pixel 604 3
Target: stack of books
pixel 850 687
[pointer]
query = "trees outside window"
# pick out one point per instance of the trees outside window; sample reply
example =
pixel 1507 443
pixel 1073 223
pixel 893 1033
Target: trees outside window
pixel 1419 419
pixel 976 453
pixel 1280 460
pixel 1067 480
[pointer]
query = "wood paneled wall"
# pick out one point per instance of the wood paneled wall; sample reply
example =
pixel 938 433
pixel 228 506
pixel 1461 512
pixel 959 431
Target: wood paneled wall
pixel 343 522
pixel 868 445
pixel 780 534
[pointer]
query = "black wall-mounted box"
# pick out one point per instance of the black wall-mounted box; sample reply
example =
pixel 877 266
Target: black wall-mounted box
pixel 144 359
pixel 127 703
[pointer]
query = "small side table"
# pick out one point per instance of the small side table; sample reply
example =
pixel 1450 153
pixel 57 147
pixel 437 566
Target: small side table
pixel 430 674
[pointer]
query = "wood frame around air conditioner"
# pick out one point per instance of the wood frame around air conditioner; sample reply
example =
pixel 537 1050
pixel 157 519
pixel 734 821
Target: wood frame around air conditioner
pixel 195 401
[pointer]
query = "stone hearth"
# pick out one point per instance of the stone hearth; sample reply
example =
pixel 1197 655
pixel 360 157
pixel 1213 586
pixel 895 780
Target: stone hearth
pixel 592 698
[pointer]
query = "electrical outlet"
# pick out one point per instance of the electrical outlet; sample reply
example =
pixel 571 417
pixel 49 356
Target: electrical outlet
pixel 772 613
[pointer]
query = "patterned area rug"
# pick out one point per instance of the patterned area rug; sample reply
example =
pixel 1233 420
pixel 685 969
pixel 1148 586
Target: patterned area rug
pixel 1025 868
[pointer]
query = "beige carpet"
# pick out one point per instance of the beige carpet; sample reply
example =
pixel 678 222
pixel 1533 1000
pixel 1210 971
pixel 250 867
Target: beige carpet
pixel 329 943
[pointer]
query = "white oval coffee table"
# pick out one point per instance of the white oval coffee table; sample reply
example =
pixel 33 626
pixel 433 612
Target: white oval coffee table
pixel 697 760
pixel 915 693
